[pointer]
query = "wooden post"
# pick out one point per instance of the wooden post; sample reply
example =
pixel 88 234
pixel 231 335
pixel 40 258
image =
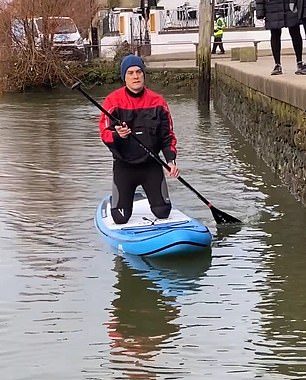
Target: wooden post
pixel 204 50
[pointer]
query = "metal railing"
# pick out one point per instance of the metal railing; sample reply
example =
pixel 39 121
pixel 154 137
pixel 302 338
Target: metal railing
pixel 186 18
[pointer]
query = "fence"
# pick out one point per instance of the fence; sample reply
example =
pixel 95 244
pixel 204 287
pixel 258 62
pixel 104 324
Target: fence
pixel 187 17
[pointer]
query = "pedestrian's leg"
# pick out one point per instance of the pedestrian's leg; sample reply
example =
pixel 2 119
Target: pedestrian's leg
pixel 214 49
pixel 221 46
pixel 156 189
pixel 218 41
pixel 297 41
pixel 304 24
pixel 276 45
pixel 276 49
pixel 295 33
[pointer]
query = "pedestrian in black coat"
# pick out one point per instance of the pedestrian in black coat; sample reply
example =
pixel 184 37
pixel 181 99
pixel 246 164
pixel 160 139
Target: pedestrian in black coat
pixel 280 14
pixel 301 9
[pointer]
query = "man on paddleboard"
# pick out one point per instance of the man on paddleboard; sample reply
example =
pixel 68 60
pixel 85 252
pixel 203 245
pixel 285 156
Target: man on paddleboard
pixel 146 115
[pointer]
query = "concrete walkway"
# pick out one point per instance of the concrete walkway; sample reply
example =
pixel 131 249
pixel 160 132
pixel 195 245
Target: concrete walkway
pixel 188 59
pixel 288 87
pixel 177 60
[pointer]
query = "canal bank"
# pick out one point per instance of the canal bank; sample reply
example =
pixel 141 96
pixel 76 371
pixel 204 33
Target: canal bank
pixel 269 111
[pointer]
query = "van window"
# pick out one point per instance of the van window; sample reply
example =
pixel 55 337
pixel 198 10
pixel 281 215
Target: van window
pixel 58 25
pixel 18 30
pixel 22 29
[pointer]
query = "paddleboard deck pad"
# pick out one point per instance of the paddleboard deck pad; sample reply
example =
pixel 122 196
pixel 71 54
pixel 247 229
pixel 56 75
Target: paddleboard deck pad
pixel 146 236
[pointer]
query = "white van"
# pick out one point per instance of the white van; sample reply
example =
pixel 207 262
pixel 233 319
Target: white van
pixel 63 35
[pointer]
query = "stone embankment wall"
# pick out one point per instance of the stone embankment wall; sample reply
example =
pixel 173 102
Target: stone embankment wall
pixel 276 129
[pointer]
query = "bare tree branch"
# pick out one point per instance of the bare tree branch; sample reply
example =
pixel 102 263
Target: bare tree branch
pixel 25 61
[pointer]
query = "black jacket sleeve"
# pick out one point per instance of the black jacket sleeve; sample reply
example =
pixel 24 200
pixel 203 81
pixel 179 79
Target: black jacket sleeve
pixel 260 9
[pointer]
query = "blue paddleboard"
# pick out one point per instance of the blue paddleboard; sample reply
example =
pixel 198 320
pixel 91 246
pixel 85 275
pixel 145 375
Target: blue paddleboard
pixel 146 236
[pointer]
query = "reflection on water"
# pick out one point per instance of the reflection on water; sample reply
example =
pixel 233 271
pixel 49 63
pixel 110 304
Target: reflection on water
pixel 224 232
pixel 172 276
pixel 70 309
pixel 143 316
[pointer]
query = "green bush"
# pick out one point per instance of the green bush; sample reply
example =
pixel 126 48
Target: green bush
pixel 100 72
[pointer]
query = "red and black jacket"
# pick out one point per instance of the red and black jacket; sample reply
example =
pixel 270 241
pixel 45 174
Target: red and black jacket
pixel 148 116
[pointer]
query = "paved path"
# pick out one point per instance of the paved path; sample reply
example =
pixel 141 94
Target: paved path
pixel 178 60
pixel 265 65
pixel 288 87
pixel 188 59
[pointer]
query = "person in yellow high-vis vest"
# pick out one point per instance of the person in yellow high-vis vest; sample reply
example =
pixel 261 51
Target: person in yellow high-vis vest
pixel 219 26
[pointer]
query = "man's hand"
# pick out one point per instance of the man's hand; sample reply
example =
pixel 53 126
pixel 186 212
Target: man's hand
pixel 174 172
pixel 123 130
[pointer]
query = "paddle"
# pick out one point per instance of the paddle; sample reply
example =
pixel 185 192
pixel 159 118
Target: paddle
pixel 220 217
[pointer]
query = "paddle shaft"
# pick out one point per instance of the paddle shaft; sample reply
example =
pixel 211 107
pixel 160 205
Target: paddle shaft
pixel 152 154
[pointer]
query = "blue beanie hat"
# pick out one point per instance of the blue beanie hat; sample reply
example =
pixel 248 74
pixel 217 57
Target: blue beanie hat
pixel 129 61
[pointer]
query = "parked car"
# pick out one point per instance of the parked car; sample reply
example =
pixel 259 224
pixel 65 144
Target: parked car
pixel 62 32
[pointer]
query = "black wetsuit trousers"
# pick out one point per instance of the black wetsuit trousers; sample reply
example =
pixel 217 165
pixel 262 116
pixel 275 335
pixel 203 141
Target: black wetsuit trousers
pixel 127 177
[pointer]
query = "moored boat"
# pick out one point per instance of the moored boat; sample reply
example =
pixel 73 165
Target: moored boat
pixel 146 236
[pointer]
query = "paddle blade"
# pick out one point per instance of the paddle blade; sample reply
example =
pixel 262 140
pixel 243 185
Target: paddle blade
pixel 222 217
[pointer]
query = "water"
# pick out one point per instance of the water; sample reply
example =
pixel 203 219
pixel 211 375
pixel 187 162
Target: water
pixel 71 309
